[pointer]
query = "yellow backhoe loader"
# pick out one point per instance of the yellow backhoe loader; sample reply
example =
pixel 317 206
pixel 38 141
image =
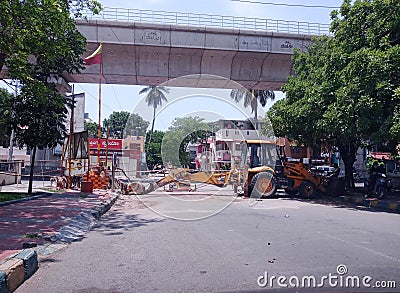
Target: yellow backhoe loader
pixel 261 171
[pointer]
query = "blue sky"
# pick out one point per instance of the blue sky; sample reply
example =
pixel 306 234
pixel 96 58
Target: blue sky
pixel 117 97
pixel 126 98
pixel 235 8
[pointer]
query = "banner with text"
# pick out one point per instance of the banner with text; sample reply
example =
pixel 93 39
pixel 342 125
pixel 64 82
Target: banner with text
pixel 114 146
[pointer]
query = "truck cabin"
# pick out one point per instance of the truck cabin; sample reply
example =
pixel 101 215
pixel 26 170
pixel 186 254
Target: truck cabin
pixel 257 153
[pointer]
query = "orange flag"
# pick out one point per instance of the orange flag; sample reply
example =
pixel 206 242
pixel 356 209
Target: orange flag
pixel 95 58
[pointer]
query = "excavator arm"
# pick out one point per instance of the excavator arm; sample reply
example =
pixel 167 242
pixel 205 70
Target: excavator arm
pixel 184 175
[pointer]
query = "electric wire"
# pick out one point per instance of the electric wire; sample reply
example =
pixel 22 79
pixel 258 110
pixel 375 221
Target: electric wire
pixel 116 97
pixel 93 97
pixel 286 4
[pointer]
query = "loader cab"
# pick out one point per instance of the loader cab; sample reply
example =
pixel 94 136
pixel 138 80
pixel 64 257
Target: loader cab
pixel 256 168
pixel 258 153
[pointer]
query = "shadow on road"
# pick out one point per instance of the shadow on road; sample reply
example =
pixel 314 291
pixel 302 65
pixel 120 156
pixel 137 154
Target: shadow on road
pixel 49 260
pixel 336 203
pixel 117 222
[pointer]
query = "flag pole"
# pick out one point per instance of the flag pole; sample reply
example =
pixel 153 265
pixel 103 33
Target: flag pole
pixel 71 130
pixel 98 126
pixel 97 58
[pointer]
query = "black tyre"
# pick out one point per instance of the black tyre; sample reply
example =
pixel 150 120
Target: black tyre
pixel 307 189
pixel 262 185
pixel 291 192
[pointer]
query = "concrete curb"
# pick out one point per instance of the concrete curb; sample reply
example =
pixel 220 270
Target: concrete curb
pixel 3 285
pixel 102 208
pixel 40 195
pixel 83 222
pixel 17 269
pixel 372 203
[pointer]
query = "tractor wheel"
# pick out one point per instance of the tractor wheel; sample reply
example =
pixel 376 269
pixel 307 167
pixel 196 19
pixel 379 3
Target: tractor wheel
pixel 291 192
pixel 262 185
pixel 307 189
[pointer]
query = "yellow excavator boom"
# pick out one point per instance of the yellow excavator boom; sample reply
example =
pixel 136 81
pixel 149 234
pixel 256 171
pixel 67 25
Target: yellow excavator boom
pixel 184 175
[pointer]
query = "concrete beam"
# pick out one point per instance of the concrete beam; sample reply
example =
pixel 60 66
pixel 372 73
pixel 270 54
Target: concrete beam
pixel 184 61
pixel 150 54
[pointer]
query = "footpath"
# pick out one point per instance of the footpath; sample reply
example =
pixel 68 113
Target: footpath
pixel 359 199
pixel 41 224
pixel 390 203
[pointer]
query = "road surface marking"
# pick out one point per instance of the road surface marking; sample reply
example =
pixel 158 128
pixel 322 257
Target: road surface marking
pixel 360 246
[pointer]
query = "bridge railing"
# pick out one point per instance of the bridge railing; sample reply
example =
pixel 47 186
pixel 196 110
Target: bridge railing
pixel 209 20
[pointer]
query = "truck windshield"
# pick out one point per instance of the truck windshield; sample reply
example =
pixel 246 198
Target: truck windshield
pixel 263 154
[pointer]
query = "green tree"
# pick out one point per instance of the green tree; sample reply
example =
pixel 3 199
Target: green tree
pixel 34 34
pixel 38 118
pixel 252 98
pixel 182 131
pixel 116 123
pixel 395 129
pixel 155 97
pixel 92 129
pixel 122 124
pixel 154 154
pixel 38 42
pixel 136 125
pixel 344 88
pixel 6 104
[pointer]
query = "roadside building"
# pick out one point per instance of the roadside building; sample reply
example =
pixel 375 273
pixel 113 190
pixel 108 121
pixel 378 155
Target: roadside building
pixel 129 153
pixel 222 150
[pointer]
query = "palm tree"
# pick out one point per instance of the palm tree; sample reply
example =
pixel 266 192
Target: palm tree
pixel 154 98
pixel 252 98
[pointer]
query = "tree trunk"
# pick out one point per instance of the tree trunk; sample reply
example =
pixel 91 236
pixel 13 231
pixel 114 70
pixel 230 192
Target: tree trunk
pixel 33 155
pixel 152 129
pixel 348 154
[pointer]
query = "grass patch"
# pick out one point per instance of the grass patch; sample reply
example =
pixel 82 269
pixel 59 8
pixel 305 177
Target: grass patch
pixel 7 196
pixel 53 190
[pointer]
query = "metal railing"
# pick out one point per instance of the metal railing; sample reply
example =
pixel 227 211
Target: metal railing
pixel 209 20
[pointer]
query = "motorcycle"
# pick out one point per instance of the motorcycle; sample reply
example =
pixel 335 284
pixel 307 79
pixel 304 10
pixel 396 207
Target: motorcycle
pixel 382 186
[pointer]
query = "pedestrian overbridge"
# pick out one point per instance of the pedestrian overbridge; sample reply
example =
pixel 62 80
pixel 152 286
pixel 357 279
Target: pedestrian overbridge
pixel 149 48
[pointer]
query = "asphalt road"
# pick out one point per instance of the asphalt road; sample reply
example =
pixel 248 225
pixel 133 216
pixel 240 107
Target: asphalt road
pixel 134 249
